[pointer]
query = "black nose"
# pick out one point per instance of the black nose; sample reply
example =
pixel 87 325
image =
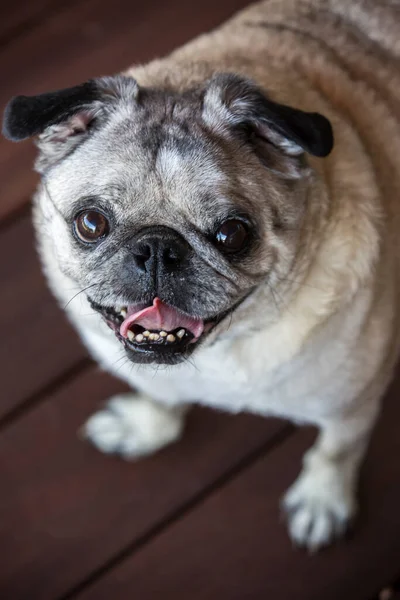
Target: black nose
pixel 157 249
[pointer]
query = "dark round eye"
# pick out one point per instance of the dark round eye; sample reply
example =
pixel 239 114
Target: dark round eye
pixel 232 235
pixel 91 225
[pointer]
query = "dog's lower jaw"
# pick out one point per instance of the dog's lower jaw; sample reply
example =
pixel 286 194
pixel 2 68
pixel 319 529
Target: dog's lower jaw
pixel 159 347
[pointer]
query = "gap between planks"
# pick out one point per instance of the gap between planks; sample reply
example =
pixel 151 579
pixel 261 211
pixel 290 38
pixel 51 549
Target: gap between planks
pixel 235 471
pixel 31 402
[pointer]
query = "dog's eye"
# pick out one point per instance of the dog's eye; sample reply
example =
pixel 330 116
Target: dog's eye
pixel 91 225
pixel 232 235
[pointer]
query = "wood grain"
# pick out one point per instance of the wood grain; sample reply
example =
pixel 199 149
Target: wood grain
pixel 65 509
pixel 36 343
pixel 234 545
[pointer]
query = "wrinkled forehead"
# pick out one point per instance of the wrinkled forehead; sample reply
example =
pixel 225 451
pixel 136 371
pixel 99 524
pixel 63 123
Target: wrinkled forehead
pixel 149 166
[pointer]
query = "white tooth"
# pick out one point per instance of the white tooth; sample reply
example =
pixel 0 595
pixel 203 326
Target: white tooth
pixel 163 333
pixel 154 336
pixel 181 333
pixel 123 312
pixel 170 338
pixel 139 338
pixel 131 335
pixel 146 333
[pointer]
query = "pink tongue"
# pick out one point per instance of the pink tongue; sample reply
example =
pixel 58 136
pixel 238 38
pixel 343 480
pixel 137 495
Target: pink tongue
pixel 161 316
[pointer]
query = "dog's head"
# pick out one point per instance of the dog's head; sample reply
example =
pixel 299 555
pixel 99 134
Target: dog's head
pixel 170 209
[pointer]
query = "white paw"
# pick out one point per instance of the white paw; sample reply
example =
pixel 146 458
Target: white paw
pixel 319 505
pixel 133 426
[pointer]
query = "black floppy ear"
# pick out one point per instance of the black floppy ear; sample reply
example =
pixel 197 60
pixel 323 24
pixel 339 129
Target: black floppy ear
pixel 237 101
pixel 63 119
pixel 26 116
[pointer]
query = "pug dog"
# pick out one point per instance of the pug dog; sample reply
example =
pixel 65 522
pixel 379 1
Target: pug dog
pixel 222 227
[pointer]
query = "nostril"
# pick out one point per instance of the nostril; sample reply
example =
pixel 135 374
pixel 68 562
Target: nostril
pixel 141 255
pixel 158 252
pixel 171 256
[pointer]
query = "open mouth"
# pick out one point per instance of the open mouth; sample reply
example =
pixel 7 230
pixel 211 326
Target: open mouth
pixel 157 333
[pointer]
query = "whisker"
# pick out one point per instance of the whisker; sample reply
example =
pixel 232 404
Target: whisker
pixel 51 200
pixel 285 306
pixel 123 364
pixel 78 293
pixel 274 298
pixel 300 283
pixel 230 321
pixel 190 360
pixel 156 369
pixel 122 357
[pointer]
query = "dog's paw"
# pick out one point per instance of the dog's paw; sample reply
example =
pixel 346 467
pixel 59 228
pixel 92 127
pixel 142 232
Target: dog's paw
pixel 319 506
pixel 133 426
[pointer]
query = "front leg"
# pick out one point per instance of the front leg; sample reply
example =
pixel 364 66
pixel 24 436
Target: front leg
pixel 322 501
pixel 132 425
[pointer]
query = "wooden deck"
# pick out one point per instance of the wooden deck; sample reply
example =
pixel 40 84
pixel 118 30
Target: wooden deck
pixel 199 521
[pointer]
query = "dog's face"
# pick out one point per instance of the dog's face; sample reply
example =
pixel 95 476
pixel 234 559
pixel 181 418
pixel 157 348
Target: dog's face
pixel 170 209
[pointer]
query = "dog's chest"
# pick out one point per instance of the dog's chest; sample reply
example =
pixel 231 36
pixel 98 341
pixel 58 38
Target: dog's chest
pixel 260 380
pixel 266 375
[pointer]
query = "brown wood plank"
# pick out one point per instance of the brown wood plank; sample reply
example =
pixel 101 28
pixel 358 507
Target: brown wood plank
pixel 36 343
pixel 234 546
pixel 20 14
pixel 90 39
pixel 65 509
